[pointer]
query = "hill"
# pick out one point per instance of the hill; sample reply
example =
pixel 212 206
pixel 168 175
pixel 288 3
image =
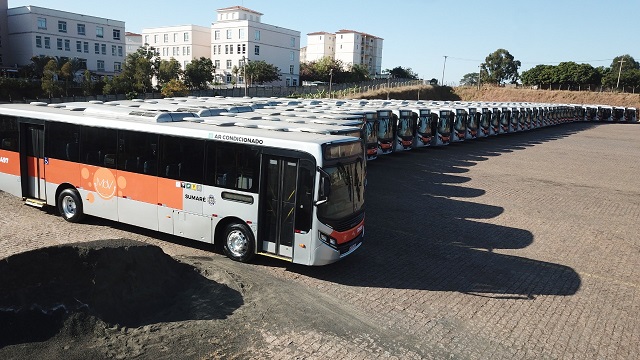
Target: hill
pixel 502 94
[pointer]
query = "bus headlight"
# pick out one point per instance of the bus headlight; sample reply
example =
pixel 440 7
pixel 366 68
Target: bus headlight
pixel 327 239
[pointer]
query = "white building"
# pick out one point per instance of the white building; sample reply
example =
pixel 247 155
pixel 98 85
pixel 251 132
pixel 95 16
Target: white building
pixel 183 43
pixel 133 41
pixel 33 31
pixel 350 47
pixel 238 34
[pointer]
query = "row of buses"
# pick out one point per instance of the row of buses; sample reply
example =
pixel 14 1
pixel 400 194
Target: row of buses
pixel 277 177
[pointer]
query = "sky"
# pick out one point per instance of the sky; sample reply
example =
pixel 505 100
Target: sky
pixel 418 34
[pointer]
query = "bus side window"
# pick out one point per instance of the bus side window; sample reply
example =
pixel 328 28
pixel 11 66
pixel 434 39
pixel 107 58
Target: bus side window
pixel 63 141
pixel 232 166
pixel 181 159
pixel 8 133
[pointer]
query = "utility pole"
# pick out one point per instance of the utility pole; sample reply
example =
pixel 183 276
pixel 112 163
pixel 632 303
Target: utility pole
pixel 619 72
pixel 330 81
pixel 244 67
pixel 479 73
pixel 443 67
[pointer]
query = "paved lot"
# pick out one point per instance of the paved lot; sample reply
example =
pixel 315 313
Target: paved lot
pixel 524 246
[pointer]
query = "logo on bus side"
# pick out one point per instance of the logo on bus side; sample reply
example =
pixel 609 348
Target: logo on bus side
pixel 103 182
pixel 4 160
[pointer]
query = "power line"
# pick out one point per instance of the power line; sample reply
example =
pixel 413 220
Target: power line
pixel 535 62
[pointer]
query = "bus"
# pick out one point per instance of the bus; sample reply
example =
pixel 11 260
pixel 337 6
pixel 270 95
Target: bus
pixel 386 131
pixel 459 126
pixel 505 120
pixel 441 120
pixel 405 129
pixel 424 128
pixel 296 197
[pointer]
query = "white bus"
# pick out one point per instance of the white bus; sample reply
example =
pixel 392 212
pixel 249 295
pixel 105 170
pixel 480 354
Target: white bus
pixel 297 197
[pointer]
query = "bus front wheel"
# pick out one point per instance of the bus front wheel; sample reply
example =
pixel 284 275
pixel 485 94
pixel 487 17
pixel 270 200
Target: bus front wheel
pixel 70 205
pixel 238 242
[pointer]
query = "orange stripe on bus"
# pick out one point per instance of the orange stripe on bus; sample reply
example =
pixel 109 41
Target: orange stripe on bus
pixel 138 187
pixel 170 193
pixel 9 162
pixel 60 171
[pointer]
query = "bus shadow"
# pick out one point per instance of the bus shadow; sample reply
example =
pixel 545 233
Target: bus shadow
pixel 421 235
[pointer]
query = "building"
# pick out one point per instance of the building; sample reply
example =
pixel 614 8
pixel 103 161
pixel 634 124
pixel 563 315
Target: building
pixel 33 31
pixel 350 47
pixel 183 43
pixel 133 41
pixel 239 35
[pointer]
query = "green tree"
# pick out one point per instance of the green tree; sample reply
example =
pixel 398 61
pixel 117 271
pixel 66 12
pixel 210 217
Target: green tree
pixel 168 70
pixel 199 73
pixel 500 66
pixel 402 73
pixel 261 72
pixel 38 64
pixel 87 83
pixel 234 71
pixel 470 79
pixel 625 66
pixel 50 83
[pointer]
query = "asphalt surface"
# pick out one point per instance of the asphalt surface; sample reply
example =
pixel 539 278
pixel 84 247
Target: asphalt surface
pixel 522 246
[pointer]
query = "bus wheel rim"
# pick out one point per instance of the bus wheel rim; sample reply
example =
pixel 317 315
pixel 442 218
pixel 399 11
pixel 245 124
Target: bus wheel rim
pixel 69 206
pixel 237 243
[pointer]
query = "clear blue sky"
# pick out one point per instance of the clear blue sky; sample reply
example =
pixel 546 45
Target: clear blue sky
pixel 418 33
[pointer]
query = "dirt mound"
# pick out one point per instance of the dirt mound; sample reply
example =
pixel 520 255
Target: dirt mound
pixel 118 282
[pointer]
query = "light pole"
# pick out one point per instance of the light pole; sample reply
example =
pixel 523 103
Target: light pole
pixel 479 73
pixel 388 83
pixel 330 81
pixel 619 72
pixel 244 68
pixel 443 67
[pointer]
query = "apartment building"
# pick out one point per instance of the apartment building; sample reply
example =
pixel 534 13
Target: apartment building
pixel 350 47
pixel 239 35
pixel 98 43
pixel 183 43
pixel 133 41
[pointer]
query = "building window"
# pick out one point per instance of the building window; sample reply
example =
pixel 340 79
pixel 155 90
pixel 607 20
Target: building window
pixel 288 81
pixel 113 50
pixel 146 39
pixel 257 35
pixel 38 41
pixel 81 29
pixel 99 32
pixel 117 66
pixel 79 46
pixel 216 35
pixel 103 49
pixel 188 48
pixel 244 49
pixel 231 49
pixel 175 37
pixel 100 65
pixel 97 48
pixel 241 33
pixel 215 50
pixel 256 50
pixel 291 69
pixel 226 49
pixel 116 34
pixel 155 39
pixel 229 33
pixel 239 49
pixel 62 26
pixel 59 44
pixel 166 38
pixel 86 47
pixel 83 63
pixel 293 42
pixel 295 82
pixel 229 64
pixel 216 64
pixel 185 36
pixel 42 23
pixel 47 42
pixel 120 51
pixel 219 49
pixel 291 56
pixel 229 78
pixel 67 45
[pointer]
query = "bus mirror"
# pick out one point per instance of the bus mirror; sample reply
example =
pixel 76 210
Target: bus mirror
pixel 325 187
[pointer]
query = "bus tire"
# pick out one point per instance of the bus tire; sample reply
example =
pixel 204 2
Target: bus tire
pixel 238 244
pixel 70 205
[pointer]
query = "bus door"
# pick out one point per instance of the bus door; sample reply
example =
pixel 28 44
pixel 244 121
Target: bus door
pixel 32 162
pixel 278 205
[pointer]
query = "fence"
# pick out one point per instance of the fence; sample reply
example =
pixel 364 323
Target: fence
pixel 569 87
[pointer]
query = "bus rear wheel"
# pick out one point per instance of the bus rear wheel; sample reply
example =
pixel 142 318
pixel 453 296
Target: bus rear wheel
pixel 238 242
pixel 70 205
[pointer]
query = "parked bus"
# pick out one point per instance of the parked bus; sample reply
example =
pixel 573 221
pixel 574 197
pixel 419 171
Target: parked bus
pixel 441 120
pixel 297 197
pixel 405 129
pixel 386 131
pixel 424 127
pixel 484 122
pixel 505 120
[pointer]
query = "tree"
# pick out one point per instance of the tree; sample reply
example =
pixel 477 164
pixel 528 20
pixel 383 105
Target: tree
pixel 260 72
pixel 627 71
pixel 402 73
pixel 234 71
pixel 470 79
pixel 199 73
pixel 174 87
pixel 87 83
pixel 38 64
pixel 168 70
pixel 50 83
pixel 499 67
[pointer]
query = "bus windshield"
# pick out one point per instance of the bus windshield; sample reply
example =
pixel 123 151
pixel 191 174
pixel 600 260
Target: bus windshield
pixel 346 197
pixel 444 124
pixel 385 131
pixel 424 124
pixel 404 127
pixel 371 134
